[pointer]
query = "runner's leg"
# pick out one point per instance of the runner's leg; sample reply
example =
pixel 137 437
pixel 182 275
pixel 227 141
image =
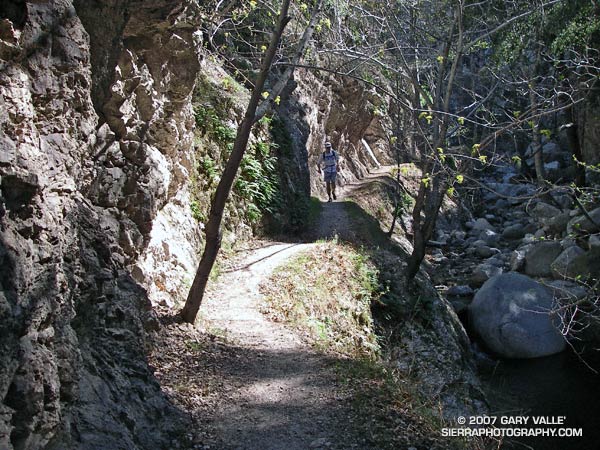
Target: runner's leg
pixel 333 186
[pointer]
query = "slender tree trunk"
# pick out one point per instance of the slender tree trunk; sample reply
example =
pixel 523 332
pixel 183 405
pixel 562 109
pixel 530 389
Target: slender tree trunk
pixel 213 226
pixel 538 157
pixel 419 242
pixel 427 208
pixel 575 145
pixel 430 197
pixel 397 132
pixel 253 113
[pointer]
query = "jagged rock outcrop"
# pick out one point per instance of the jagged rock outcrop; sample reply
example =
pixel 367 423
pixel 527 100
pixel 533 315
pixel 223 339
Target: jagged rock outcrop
pixel 95 132
pixel 341 110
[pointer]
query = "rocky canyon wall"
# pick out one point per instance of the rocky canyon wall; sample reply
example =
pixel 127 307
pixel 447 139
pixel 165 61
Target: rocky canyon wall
pixel 94 164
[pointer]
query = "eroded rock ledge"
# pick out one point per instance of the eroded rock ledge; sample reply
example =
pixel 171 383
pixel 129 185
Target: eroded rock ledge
pixel 94 147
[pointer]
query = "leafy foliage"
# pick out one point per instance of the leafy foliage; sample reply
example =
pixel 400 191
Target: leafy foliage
pixel 209 122
pixel 258 182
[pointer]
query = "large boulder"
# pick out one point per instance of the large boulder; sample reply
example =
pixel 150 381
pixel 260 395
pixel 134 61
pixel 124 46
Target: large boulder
pixel 557 224
pixel 544 211
pixel 586 265
pixel 512 314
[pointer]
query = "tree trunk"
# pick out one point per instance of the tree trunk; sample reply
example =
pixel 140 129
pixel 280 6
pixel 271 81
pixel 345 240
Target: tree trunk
pixel 430 201
pixel 213 226
pixel 575 145
pixel 538 159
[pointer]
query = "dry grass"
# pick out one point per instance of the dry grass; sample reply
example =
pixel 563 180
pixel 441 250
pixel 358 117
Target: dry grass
pixel 326 294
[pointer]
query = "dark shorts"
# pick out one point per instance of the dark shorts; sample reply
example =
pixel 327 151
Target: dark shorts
pixel 329 177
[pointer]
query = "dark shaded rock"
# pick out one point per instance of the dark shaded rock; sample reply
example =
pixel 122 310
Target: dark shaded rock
pixel 513 232
pixel 564 291
pixel 586 265
pixel 558 224
pixel 544 211
pixel 581 224
pixel 540 256
pixel 482 273
pixel 18 187
pixel 460 291
pixel 562 266
pixel 552 152
pixel 530 228
pixel 481 224
pixel 484 251
pixel 594 241
pixel 489 237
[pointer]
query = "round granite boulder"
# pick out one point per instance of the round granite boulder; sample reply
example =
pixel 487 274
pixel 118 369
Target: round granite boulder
pixel 512 314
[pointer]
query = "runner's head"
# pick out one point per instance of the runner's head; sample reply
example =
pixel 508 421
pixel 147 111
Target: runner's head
pixel 328 146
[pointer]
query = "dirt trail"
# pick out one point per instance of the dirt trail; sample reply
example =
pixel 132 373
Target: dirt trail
pixel 334 219
pixel 283 395
pixel 280 397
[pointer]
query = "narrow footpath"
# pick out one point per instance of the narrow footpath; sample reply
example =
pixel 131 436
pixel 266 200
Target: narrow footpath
pixel 284 394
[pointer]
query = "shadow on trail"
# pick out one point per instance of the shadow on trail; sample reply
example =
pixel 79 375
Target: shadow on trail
pixel 265 399
pixel 270 255
pixel 351 224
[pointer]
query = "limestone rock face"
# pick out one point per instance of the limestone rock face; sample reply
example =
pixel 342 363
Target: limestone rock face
pixel 93 104
pixel 511 313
